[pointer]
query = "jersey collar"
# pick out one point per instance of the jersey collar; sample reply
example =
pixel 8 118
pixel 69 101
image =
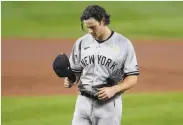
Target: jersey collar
pixel 101 41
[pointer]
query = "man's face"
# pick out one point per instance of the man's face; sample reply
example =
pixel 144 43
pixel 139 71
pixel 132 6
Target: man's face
pixel 94 27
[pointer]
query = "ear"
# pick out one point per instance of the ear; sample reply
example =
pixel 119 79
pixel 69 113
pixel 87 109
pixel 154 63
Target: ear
pixel 103 21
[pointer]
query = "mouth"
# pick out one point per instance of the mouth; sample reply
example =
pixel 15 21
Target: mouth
pixel 94 35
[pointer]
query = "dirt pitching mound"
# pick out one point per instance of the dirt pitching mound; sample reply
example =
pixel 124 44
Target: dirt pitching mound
pixel 27 66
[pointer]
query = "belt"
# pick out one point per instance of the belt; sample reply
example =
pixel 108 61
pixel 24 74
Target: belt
pixel 83 93
pixel 87 94
pixel 102 85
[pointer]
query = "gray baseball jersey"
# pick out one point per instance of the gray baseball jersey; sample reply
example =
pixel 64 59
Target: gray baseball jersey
pixel 97 60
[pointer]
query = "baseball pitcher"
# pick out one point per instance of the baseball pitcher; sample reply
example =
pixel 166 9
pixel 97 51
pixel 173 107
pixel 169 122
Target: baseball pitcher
pixel 105 66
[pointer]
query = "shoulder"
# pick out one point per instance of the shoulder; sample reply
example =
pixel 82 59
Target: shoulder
pixel 122 41
pixel 83 41
pixel 83 38
pixel 120 38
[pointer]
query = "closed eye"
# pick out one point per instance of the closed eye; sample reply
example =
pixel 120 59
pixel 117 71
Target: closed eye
pixel 91 27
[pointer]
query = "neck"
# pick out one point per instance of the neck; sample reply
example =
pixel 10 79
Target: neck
pixel 106 33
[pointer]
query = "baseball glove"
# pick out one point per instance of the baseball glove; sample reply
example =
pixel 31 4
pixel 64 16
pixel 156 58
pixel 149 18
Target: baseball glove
pixel 115 77
pixel 61 67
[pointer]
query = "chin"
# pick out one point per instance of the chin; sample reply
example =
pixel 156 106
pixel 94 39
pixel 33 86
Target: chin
pixel 94 36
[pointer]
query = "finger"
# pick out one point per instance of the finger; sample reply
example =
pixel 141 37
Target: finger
pixel 100 92
pixel 69 86
pixel 66 80
pixel 101 95
pixel 100 89
pixel 66 84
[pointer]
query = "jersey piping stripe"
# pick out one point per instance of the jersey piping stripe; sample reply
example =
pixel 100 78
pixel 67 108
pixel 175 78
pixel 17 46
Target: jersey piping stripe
pixel 74 70
pixel 132 73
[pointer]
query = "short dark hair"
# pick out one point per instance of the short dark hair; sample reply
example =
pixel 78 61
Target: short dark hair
pixel 97 12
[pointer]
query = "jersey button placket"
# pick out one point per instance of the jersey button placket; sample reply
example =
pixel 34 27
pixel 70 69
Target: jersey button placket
pixel 96 71
pixel 96 67
pixel 98 49
pixel 96 63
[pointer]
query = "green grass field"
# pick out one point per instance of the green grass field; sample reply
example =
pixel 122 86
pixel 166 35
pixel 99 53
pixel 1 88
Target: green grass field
pixel 141 20
pixel 138 109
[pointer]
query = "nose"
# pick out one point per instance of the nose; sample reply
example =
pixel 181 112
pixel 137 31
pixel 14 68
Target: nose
pixel 90 31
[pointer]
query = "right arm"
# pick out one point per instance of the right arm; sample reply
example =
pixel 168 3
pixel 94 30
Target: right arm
pixel 74 60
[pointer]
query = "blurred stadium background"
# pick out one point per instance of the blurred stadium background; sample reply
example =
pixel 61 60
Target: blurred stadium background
pixel 61 19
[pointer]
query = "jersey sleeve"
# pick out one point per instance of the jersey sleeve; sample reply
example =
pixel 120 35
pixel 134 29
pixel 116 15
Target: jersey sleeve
pixel 130 63
pixel 75 57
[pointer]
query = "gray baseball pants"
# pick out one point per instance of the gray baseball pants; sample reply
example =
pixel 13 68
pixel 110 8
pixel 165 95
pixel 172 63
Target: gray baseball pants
pixel 93 112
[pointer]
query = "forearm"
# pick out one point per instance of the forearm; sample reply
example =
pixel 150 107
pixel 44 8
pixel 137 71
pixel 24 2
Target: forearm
pixel 78 75
pixel 126 84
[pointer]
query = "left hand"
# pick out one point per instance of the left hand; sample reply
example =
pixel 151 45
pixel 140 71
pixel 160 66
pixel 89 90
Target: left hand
pixel 106 93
